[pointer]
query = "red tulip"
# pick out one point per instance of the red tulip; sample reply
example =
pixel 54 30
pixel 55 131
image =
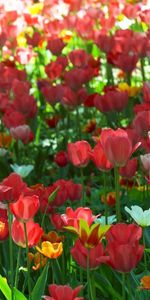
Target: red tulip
pixel 117 146
pixel 26 207
pixel 22 132
pixel 63 292
pixel 129 169
pixel 79 153
pixel 112 100
pixel 55 46
pixel 123 248
pixel 61 159
pixel 14 182
pixel 71 218
pixel 34 233
pixel 141 123
pixel 13 118
pixel 96 255
pixel 79 58
pixel 99 158
pixel 124 257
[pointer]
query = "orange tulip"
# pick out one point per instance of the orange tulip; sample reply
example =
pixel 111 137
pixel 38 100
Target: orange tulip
pixel 38 260
pixel 145 281
pixel 51 250
pixel 52 237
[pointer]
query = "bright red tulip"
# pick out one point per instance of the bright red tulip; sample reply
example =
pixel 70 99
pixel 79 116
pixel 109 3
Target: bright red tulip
pixel 129 169
pixel 71 218
pixel 79 153
pixel 122 233
pixel 99 158
pixel 63 292
pixel 112 100
pixel 117 146
pixel 80 255
pixel 26 207
pixel 34 233
pixel 14 182
pixel 123 248
pixel 61 159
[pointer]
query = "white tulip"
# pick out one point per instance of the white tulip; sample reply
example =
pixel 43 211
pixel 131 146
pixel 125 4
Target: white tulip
pixel 141 217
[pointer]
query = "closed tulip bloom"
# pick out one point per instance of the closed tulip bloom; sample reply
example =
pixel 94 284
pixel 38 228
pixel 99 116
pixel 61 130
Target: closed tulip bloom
pixel 80 255
pixel 79 153
pixel 117 146
pixel 61 159
pixel 124 234
pixel 141 217
pixel 129 169
pixel 124 257
pixel 123 248
pixel 51 250
pixel 34 233
pixel 26 207
pixel 63 292
pixel 99 158
pixel 15 187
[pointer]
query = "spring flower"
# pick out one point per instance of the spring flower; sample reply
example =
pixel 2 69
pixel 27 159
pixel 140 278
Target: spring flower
pixel 91 235
pixel 129 169
pixel 63 292
pixel 26 207
pixel 79 153
pixel 141 217
pixel 51 250
pixel 123 248
pixel 117 146
pixel 145 283
pixel 3 228
pixel 52 237
pixel 34 233
pixel 80 254
pixel 72 218
pixel 39 261
pixel 16 188
pixel 99 158
pixel 61 159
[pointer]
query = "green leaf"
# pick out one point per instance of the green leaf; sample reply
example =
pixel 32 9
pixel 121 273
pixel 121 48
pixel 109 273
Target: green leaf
pixel 4 287
pixel 52 196
pixel 18 295
pixel 39 288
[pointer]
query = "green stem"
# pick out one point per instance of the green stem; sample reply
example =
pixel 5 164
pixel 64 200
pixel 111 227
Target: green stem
pixel 105 202
pixel 11 253
pixel 129 79
pixel 90 281
pixel 88 274
pixel 129 286
pixel 83 187
pixel 145 257
pixel 123 286
pixel 117 189
pixel 17 267
pixel 142 69
pixel 28 262
pixel 78 125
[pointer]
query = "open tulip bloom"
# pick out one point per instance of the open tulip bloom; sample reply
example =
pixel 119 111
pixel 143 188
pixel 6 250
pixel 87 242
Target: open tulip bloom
pixel 141 217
